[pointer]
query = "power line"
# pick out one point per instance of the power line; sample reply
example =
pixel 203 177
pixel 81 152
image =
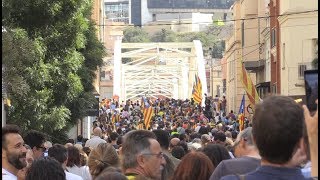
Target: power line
pixel 235 58
pixel 280 26
pixel 219 21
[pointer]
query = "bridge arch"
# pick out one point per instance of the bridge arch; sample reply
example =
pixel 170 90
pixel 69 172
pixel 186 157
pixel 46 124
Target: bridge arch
pixel 165 69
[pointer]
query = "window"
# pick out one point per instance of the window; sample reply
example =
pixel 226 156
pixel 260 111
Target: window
pixel 273 37
pixel 242 33
pixel 154 17
pixel 302 68
pixel 218 90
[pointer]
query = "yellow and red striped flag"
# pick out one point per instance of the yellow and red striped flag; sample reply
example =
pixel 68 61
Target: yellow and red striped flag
pixel 147 114
pixel 113 118
pixel 140 126
pixel 249 86
pixel 197 90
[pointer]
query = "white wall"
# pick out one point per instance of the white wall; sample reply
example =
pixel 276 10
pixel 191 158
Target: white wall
pixel 146 16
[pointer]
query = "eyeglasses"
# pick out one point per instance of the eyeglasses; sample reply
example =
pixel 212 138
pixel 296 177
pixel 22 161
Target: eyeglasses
pixel 160 155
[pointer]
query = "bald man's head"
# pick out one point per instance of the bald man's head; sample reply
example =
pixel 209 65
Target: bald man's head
pixel 97 131
pixel 174 142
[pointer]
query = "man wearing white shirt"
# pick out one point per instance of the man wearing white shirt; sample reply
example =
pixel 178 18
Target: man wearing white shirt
pixel 13 152
pixel 60 153
pixel 96 139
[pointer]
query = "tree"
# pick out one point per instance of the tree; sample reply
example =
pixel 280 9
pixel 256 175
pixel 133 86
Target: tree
pixel 57 72
pixel 164 36
pixel 134 35
pixel 315 60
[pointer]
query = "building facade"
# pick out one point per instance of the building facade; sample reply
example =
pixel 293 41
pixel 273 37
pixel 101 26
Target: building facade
pixel 248 44
pixel 298 26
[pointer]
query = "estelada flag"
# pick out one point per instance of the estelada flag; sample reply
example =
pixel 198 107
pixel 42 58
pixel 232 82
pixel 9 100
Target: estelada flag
pixel 241 114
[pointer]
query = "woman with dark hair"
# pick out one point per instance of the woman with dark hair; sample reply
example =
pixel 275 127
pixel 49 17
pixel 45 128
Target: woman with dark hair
pixel 216 153
pixel 45 168
pixel 194 165
pixel 74 164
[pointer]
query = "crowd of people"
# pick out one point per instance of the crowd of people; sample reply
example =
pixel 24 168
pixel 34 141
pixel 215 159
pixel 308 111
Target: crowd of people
pixel 184 141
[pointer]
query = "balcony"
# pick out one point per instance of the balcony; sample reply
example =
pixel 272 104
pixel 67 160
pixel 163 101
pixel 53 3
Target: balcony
pixel 255 65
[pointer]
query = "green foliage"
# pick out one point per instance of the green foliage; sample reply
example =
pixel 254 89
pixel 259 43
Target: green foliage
pixel 135 34
pixel 315 61
pixel 51 53
pixel 164 36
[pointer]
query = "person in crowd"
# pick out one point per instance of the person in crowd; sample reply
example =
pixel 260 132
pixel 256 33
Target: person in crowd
pixel 78 146
pixel 248 158
pixel 142 155
pixel 29 155
pixel 205 139
pixel 13 152
pixel 171 161
pixel 102 157
pixel 194 165
pixel 79 139
pixel 220 138
pixel 184 145
pixel 70 141
pixel 96 139
pixel 87 150
pixel 68 145
pixel 73 164
pixel 45 168
pixel 178 152
pixel 311 123
pixel 216 153
pixel 36 140
pixel 173 142
pixel 60 153
pixel 83 158
pixel 285 118
pixel 111 173
pixel 113 139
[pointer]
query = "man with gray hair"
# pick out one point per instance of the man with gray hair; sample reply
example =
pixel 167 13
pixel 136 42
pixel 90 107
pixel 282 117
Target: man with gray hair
pixel 141 155
pixel 248 158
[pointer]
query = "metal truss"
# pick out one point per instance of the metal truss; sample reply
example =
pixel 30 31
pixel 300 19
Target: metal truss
pixel 156 69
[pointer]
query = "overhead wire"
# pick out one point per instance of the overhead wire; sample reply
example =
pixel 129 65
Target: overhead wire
pixel 216 21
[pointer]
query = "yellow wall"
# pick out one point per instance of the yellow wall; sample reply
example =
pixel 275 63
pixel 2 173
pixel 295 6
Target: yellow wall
pixel 296 35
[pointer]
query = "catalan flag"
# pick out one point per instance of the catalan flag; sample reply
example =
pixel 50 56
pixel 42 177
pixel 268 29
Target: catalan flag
pixel 113 118
pixel 197 90
pixel 140 126
pixel 241 113
pixel 147 114
pixel 249 86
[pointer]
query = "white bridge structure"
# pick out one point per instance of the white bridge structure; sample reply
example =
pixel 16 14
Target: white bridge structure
pixel 156 70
